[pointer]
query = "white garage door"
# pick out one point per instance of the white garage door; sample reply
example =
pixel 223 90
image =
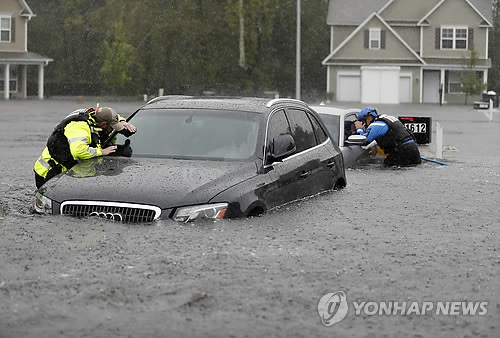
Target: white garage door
pixel 380 84
pixel 405 89
pixel 349 88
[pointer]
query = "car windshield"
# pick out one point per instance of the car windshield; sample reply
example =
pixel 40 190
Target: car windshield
pixel 332 123
pixel 194 134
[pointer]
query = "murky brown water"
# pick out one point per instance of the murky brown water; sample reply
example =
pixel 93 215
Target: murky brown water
pixel 428 233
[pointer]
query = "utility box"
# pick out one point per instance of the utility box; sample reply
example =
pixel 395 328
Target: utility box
pixel 491 95
pixel 485 101
pixel 421 127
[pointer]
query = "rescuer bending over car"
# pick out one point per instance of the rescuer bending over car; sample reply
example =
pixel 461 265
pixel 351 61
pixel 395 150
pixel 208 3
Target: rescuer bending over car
pixel 78 137
pixel 391 136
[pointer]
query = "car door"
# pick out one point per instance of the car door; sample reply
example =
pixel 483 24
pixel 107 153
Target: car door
pixel 312 162
pixel 282 175
pixel 332 163
pixel 351 152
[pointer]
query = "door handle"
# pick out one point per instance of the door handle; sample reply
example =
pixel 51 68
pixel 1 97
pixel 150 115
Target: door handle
pixel 330 164
pixel 304 174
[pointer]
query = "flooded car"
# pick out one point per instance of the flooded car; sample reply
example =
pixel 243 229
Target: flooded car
pixel 198 158
pixel 339 122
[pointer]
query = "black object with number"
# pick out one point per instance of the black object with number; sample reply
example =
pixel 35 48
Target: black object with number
pixel 421 127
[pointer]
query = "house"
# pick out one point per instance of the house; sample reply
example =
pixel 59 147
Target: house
pixel 14 55
pixel 405 51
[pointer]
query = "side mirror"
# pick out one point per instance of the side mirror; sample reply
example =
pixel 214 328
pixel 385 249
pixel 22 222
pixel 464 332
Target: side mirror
pixel 358 140
pixel 283 145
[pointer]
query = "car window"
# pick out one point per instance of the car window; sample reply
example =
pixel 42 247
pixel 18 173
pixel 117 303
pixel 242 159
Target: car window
pixel 302 130
pixel 349 124
pixel 332 123
pixel 278 125
pixel 318 131
pixel 194 134
pixel 351 117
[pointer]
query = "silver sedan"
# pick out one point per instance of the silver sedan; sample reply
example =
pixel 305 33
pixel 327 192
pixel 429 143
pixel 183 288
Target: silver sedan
pixel 338 121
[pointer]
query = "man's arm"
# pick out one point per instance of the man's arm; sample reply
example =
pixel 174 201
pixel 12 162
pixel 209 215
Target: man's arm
pixel 375 130
pixel 79 138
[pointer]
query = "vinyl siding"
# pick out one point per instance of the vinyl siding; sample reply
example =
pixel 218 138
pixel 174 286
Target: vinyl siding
pixel 355 47
pixel 340 33
pixel 411 35
pixel 13 8
pixel 463 15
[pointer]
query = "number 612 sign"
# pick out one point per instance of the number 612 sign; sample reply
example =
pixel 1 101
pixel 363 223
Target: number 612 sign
pixel 416 128
pixel 419 126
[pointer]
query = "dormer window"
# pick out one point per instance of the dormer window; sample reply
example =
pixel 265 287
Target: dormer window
pixel 5 28
pixel 375 38
pixel 454 37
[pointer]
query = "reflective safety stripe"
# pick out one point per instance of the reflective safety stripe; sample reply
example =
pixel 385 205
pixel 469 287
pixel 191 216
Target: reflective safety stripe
pixel 92 151
pixel 379 123
pixel 43 163
pixel 76 139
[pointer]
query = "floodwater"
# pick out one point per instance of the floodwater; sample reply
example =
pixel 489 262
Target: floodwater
pixel 424 234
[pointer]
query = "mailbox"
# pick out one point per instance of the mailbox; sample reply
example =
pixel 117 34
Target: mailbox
pixel 419 126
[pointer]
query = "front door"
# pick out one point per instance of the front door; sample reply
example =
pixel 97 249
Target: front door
pixel 431 86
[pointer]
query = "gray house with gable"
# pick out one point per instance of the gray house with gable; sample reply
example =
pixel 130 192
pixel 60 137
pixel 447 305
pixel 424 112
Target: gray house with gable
pixel 405 51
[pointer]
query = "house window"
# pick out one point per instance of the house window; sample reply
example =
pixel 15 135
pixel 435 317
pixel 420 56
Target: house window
pixel 12 86
pixel 454 83
pixel 5 28
pixel 454 38
pixel 374 38
pixel 12 80
pixel 454 87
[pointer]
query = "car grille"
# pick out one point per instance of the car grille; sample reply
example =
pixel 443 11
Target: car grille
pixel 122 212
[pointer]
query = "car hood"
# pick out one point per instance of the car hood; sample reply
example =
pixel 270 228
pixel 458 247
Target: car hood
pixel 165 183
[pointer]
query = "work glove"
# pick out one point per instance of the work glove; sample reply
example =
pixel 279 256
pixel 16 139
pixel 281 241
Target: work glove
pixel 124 149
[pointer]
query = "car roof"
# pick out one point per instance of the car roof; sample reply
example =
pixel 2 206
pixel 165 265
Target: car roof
pixel 253 104
pixel 328 110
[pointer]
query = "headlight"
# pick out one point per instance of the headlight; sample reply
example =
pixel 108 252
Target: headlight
pixel 42 204
pixel 205 211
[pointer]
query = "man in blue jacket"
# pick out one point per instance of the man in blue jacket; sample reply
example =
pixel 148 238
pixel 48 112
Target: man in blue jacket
pixel 391 135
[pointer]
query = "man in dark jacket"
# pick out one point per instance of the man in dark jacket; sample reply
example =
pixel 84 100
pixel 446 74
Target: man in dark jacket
pixel 391 135
pixel 78 137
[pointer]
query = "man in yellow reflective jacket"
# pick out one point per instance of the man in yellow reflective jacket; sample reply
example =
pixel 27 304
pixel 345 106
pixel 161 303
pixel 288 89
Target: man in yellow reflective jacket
pixel 78 137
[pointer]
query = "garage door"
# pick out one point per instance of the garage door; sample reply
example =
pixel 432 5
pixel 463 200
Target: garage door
pixel 405 89
pixel 349 88
pixel 380 84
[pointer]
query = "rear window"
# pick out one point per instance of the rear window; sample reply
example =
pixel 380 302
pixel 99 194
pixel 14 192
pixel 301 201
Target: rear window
pixel 194 134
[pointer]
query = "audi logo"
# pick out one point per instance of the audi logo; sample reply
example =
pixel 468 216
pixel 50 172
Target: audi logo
pixel 107 215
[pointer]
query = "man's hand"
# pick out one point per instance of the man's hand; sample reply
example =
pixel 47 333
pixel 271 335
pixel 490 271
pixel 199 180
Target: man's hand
pixel 358 124
pixel 108 150
pixel 129 126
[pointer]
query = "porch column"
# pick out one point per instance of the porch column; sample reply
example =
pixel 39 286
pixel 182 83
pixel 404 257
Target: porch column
pixel 441 88
pixel 421 84
pixel 6 82
pixel 24 81
pixel 40 81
